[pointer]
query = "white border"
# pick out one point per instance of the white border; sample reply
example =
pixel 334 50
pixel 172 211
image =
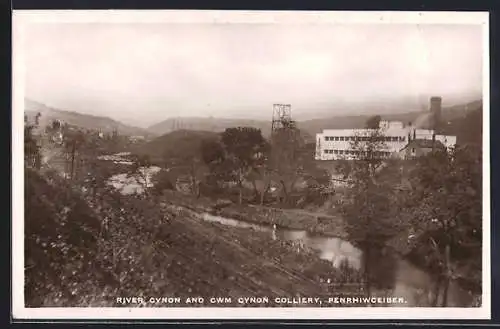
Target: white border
pixel 20 18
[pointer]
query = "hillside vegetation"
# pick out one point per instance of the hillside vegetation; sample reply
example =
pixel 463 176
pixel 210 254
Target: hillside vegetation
pixel 84 250
pixel 180 145
pixel 86 121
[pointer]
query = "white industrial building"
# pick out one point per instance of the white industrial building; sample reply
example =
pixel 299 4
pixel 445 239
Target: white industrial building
pixel 334 144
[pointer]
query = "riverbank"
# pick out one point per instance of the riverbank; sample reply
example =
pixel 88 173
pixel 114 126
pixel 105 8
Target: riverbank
pixel 293 219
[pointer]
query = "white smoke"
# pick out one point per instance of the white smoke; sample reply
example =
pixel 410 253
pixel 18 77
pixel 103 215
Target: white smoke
pixel 422 120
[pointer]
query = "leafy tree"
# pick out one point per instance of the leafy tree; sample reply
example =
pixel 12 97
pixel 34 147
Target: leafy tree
pixel 288 159
pixel 367 208
pixel 73 143
pixel 240 151
pixel 214 157
pixel 262 174
pixel 193 169
pixel 444 210
pixel 182 155
pixel 162 180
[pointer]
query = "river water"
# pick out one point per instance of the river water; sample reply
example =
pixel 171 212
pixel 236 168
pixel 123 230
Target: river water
pixel 127 183
pixel 397 275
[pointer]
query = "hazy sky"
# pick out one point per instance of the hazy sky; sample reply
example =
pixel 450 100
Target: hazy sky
pixel 144 73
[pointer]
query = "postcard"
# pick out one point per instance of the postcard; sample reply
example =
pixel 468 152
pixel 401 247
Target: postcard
pixel 250 165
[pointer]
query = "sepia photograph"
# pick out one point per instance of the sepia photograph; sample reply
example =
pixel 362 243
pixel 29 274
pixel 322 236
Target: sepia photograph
pixel 250 165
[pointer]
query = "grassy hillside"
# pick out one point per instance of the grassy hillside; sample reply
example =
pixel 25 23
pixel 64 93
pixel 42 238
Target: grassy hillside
pixel 180 144
pixel 86 121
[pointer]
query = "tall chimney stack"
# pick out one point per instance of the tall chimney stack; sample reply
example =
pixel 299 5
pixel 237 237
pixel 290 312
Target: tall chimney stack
pixel 436 113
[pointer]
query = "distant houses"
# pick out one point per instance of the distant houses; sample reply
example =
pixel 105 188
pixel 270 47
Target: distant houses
pixel 420 147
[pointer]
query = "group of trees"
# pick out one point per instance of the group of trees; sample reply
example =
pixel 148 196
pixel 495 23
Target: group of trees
pixel 239 153
pixel 439 205
pixel 368 204
pixel 444 210
pixel 242 155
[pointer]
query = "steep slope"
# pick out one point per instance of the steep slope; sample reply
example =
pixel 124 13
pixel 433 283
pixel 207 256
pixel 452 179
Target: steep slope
pixel 86 121
pixel 60 242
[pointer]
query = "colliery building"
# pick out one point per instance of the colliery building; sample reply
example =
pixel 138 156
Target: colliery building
pixel 394 139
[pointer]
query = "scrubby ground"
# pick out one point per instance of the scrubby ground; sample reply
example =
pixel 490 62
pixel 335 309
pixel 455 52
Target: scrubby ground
pixel 85 249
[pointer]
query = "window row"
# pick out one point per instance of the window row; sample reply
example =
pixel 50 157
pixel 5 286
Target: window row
pixel 357 153
pixel 365 138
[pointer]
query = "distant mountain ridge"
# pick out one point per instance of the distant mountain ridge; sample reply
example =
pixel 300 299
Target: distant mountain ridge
pixel 216 125
pixel 312 126
pixel 85 121
pixel 207 124
pixel 315 126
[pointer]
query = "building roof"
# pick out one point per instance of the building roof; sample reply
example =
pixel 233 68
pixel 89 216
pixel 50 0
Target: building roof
pixel 424 143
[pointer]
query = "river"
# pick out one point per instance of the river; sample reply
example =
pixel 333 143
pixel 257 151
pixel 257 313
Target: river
pixel 398 275
pixel 126 183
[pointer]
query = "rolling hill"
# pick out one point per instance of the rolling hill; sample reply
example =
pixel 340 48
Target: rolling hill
pixel 180 144
pixel 207 124
pixel 85 121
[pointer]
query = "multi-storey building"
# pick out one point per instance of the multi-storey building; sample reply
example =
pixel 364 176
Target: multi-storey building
pixel 334 144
